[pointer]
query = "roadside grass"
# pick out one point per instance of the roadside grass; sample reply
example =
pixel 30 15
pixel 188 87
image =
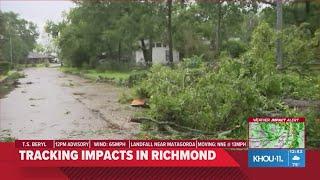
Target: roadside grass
pixel 95 75
pixel 15 75
pixel 7 139
pixel 42 65
pixel 31 65
pixel 11 75
pixel 9 82
pixel 2 77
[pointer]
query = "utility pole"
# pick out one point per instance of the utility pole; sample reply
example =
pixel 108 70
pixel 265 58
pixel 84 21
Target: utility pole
pixel 11 50
pixel 169 28
pixel 10 43
pixel 1 39
pixel 279 29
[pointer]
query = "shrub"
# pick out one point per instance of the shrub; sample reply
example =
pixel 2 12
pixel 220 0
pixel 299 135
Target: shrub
pixel 125 98
pixel 313 126
pixel 235 48
pixel 297 86
pixel 194 62
pixel 193 95
pixel 85 66
pixel 262 44
pixel 297 50
pixel 141 93
pixel 4 67
pixel 113 65
pixel 136 77
pixel 217 99
pixel 14 75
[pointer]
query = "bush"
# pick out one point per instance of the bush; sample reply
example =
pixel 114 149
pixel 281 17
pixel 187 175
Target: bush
pixel 298 48
pixel 313 126
pixel 218 99
pixel 113 66
pixel 235 48
pixel 14 75
pixel 193 95
pixel 85 65
pixel 136 77
pixel 194 62
pixel 141 93
pixel 125 98
pixel 298 86
pixel 262 44
pixel 4 67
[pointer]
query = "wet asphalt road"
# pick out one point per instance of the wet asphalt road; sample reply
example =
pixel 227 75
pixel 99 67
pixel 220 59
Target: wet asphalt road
pixel 49 104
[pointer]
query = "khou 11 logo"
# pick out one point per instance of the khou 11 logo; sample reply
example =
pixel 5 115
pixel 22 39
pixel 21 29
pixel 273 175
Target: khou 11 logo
pixel 276 158
pixel 273 143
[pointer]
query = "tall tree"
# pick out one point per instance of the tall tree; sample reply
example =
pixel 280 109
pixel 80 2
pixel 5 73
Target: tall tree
pixel 279 30
pixel 19 37
pixel 218 30
pixel 1 34
pixel 118 29
pixel 169 29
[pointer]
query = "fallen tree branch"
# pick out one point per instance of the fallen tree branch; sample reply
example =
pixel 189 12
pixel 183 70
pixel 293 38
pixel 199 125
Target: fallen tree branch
pixel 301 103
pixel 168 126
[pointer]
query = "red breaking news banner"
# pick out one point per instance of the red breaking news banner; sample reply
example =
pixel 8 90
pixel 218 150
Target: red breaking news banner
pixel 127 153
pixel 111 158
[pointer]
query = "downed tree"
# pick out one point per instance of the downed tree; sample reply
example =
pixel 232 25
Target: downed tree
pixel 174 127
pixel 301 103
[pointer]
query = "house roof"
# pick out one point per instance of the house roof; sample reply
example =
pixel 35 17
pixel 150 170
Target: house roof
pixel 34 55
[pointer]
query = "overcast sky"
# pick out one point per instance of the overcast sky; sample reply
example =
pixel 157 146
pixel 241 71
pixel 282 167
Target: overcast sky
pixel 38 11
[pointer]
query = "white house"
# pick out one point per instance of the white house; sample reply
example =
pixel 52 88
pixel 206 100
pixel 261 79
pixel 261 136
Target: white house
pixel 160 54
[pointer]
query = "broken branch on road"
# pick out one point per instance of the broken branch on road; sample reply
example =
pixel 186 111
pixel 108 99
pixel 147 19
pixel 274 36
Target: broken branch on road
pixel 173 127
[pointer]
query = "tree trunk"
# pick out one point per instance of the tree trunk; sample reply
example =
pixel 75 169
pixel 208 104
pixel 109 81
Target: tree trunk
pixel 144 51
pixel 218 32
pixel 182 3
pixel 119 51
pixel 181 56
pixel 279 29
pixel 307 8
pixel 150 52
pixel 169 28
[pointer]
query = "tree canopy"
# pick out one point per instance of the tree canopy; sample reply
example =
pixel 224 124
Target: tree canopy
pixel 19 37
pixel 115 30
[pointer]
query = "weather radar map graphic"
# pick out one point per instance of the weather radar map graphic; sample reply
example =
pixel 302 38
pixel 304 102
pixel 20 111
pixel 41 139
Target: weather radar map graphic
pixel 276 135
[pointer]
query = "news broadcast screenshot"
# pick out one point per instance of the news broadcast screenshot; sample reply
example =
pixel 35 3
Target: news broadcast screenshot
pixel 160 89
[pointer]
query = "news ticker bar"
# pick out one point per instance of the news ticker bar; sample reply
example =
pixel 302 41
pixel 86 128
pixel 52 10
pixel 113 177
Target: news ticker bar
pixel 126 153
pixel 131 144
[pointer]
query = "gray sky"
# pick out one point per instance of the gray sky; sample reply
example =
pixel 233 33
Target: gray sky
pixel 38 11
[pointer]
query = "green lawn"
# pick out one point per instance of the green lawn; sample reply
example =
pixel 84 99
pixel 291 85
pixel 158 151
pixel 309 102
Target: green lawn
pixel 94 74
